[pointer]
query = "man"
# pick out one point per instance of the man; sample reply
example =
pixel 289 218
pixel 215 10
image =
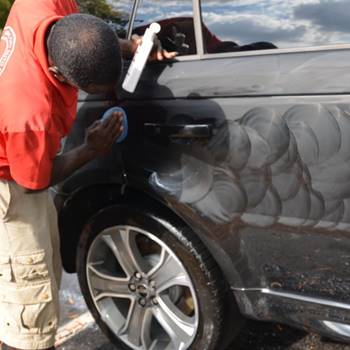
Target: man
pixel 47 52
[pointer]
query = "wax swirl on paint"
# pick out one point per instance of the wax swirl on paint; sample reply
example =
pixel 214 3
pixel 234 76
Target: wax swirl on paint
pixel 291 168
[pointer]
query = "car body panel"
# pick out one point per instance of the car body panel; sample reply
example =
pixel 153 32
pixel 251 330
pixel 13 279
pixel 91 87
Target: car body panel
pixel 268 191
pixel 264 74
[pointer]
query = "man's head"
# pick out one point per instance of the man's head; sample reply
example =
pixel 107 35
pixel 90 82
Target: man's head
pixel 84 52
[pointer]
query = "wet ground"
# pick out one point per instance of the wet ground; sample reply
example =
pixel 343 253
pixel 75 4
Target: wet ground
pixel 254 336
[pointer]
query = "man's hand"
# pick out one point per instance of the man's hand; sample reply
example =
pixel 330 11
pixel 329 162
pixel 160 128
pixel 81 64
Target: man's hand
pixel 101 135
pixel 157 54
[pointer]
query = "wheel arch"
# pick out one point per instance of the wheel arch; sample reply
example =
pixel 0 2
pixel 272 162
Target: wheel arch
pixel 84 203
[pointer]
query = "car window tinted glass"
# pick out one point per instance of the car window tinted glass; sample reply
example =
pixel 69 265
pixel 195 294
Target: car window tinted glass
pixel 114 12
pixel 176 20
pixel 239 25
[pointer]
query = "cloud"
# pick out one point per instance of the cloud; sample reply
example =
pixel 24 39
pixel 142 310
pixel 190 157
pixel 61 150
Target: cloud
pixel 328 15
pixel 250 28
pixel 286 23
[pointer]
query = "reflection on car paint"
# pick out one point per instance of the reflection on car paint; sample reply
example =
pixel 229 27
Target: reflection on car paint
pixel 291 168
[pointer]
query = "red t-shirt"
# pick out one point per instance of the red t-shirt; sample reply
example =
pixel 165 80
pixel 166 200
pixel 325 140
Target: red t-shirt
pixel 36 110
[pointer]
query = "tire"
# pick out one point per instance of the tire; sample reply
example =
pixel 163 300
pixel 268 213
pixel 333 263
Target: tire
pixel 196 287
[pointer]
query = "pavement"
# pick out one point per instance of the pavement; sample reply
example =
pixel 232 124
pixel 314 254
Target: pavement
pixel 79 331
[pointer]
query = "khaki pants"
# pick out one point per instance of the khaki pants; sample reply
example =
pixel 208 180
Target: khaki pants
pixel 30 268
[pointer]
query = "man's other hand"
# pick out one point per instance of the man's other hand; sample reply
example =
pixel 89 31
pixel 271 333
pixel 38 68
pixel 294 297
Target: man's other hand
pixel 101 135
pixel 157 53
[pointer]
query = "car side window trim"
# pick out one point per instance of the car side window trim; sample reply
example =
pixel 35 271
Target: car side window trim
pixel 205 56
pixel 198 30
pixel 132 18
pixel 338 47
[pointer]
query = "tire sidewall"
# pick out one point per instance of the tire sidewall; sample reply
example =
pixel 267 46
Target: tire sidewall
pixel 179 238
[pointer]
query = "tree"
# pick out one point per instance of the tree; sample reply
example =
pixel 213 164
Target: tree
pixel 101 9
pixel 5 6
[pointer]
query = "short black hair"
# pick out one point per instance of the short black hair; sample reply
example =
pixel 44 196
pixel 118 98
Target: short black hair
pixel 86 50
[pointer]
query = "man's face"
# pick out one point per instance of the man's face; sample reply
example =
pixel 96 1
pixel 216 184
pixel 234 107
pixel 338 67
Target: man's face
pixel 93 89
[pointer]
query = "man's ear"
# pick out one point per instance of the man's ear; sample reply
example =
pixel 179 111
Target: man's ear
pixel 57 74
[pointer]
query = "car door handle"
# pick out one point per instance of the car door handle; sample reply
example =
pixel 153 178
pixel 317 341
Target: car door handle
pixel 179 131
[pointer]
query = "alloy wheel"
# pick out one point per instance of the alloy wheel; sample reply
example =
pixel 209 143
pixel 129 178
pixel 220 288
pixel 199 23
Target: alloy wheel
pixel 142 290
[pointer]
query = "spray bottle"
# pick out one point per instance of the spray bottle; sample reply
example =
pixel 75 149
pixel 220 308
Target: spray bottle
pixel 140 58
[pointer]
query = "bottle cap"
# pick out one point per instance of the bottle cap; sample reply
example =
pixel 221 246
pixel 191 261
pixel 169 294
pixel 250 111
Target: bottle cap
pixel 155 27
pixel 112 110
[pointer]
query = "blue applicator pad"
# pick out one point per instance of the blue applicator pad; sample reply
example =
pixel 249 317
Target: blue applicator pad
pixel 112 110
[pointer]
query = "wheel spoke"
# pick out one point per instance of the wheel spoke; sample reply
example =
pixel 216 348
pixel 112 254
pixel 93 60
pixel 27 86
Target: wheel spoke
pixel 108 286
pixel 178 326
pixel 168 273
pixel 122 243
pixel 138 325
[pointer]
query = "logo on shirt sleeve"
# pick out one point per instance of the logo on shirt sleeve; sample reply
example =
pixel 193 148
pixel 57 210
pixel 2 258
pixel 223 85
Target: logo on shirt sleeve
pixel 9 38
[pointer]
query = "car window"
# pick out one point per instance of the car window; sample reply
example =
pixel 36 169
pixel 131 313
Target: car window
pixel 241 25
pixel 114 12
pixel 176 20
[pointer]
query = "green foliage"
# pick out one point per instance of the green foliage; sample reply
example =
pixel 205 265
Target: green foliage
pixel 5 6
pixel 101 9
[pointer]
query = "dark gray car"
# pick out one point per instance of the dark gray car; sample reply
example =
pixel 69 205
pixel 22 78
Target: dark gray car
pixel 230 197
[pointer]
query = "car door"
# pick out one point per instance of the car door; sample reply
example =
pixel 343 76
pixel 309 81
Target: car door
pixel 245 136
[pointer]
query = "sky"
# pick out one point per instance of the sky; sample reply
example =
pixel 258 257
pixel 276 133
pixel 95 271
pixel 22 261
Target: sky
pixel 286 23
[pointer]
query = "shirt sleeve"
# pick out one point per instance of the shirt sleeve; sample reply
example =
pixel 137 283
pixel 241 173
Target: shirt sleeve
pixel 30 155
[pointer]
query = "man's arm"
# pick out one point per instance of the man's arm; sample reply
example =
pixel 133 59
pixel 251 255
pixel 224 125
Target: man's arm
pixel 99 139
pixel 65 164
